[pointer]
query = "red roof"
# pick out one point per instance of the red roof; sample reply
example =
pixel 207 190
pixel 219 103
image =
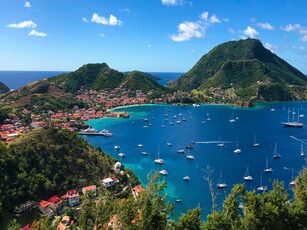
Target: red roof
pixel 55 200
pixel 27 227
pixel 44 203
pixel 138 189
pixel 89 188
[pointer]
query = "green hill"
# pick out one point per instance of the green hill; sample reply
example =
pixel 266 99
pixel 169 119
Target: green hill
pixel 3 88
pixel 46 162
pixel 102 77
pixel 245 65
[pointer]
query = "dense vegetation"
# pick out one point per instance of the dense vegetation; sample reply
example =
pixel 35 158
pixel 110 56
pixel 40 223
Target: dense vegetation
pixel 242 209
pixel 242 64
pixel 46 162
pixel 102 77
pixel 3 88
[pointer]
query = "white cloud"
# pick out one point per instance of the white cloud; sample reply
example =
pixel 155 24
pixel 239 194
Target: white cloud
pixel 112 20
pixel 265 26
pixel 172 2
pixel 298 29
pixel 37 34
pixel 204 16
pixel 214 19
pixel 27 4
pixel 187 31
pixel 84 19
pixel 21 25
pixel 271 47
pixel 250 32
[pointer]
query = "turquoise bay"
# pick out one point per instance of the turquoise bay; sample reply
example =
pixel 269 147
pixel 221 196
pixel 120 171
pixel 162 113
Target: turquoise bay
pixel 260 121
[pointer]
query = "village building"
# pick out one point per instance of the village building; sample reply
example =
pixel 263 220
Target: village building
pixel 71 197
pixel 92 190
pixel 109 182
pixel 46 208
pixel 56 204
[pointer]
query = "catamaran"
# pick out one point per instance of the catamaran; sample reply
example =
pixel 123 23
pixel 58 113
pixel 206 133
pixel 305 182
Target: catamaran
pixel 276 155
pixel 293 124
pixel 247 177
pixel 159 160
pixel 163 172
pixel 221 184
pixel 302 150
pixel 267 169
pixel 237 150
pixel 262 188
pixel 256 144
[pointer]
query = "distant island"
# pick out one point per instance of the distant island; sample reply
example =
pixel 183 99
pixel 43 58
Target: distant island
pixel 3 88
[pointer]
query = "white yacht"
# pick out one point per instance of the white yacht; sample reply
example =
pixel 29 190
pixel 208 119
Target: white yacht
pixel 267 169
pixel 144 153
pixel 237 150
pixel 180 151
pixel 186 178
pixel 169 144
pixel 247 177
pixel 140 145
pixel 190 157
pixel 159 160
pixel 117 147
pixel 122 155
pixel 262 188
pixel 276 155
pixel 256 144
pixel 293 123
pixel 163 172
pixel 221 184
pixel 92 131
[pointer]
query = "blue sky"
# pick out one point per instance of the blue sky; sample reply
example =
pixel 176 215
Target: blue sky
pixel 147 35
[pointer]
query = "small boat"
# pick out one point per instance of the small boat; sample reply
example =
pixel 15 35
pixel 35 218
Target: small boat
pixel 237 150
pixel 221 184
pixel 262 188
pixel 301 116
pixel 190 157
pixel 163 172
pixel 117 147
pixel 302 150
pixel 178 201
pixel 145 126
pixel 178 122
pixel 159 160
pixel 169 144
pixel 190 146
pixel 180 151
pixel 171 123
pixel 232 119
pixel 256 144
pixel 140 145
pixel 122 155
pixel 220 144
pixel 247 177
pixel 186 178
pixel 162 126
pixel 267 169
pixel 292 183
pixel 144 153
pixel 184 119
pixel 276 155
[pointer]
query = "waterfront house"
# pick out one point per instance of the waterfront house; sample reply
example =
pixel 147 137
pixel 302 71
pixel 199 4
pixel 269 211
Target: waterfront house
pixel 45 207
pixel 71 197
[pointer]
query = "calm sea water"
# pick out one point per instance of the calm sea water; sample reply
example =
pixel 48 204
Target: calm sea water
pixel 261 121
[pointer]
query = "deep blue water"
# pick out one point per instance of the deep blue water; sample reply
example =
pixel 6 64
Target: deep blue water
pixel 16 79
pixel 166 76
pixel 260 121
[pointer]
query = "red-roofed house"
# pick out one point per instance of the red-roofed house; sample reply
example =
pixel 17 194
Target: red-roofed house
pixel 90 189
pixel 45 207
pixel 56 204
pixel 72 197
pixel 138 189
